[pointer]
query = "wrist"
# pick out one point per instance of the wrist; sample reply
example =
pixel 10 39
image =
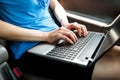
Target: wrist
pixel 45 36
pixel 64 23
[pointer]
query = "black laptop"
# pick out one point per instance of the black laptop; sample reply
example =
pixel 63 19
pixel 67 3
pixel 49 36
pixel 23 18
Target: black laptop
pixel 86 51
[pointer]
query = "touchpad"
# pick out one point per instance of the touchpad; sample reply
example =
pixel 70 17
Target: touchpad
pixel 42 48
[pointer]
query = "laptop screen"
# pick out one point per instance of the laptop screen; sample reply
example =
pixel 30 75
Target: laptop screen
pixel 113 36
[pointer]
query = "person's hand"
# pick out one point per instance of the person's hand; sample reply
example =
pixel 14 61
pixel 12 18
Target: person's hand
pixel 79 27
pixel 62 33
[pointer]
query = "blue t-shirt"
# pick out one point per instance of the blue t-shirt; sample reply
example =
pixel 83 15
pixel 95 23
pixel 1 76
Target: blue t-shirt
pixel 32 14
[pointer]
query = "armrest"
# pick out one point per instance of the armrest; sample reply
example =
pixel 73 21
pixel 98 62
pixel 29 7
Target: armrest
pixel 84 18
pixel 92 23
pixel 3 54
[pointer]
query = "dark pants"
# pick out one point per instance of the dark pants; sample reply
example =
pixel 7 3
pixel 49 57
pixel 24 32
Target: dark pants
pixel 52 69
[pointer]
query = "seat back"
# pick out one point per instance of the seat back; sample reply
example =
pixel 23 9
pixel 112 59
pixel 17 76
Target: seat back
pixel 101 10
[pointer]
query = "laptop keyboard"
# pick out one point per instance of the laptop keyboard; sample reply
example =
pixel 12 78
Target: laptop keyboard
pixel 68 51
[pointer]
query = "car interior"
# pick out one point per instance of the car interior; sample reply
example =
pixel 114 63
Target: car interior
pixel 94 14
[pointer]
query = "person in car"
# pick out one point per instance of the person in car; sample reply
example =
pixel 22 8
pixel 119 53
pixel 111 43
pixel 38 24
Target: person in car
pixel 27 22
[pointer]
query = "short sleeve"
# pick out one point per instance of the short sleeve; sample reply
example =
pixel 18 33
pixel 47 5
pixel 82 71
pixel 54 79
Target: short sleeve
pixel 0 18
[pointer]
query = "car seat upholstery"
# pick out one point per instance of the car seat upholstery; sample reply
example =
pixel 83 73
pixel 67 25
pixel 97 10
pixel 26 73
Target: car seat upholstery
pixel 5 71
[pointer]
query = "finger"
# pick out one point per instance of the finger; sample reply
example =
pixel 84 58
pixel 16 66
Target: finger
pixel 66 38
pixel 72 36
pixel 69 34
pixel 83 30
pixel 78 28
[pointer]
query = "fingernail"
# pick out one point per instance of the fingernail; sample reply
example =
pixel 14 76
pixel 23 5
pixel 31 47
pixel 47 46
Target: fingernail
pixel 72 43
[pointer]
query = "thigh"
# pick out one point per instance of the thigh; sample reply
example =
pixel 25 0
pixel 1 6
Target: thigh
pixel 108 67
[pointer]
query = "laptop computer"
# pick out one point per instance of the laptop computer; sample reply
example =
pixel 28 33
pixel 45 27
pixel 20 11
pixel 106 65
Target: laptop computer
pixel 86 51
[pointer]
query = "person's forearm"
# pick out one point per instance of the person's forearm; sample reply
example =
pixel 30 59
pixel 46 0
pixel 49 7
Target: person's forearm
pixel 59 12
pixel 15 33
